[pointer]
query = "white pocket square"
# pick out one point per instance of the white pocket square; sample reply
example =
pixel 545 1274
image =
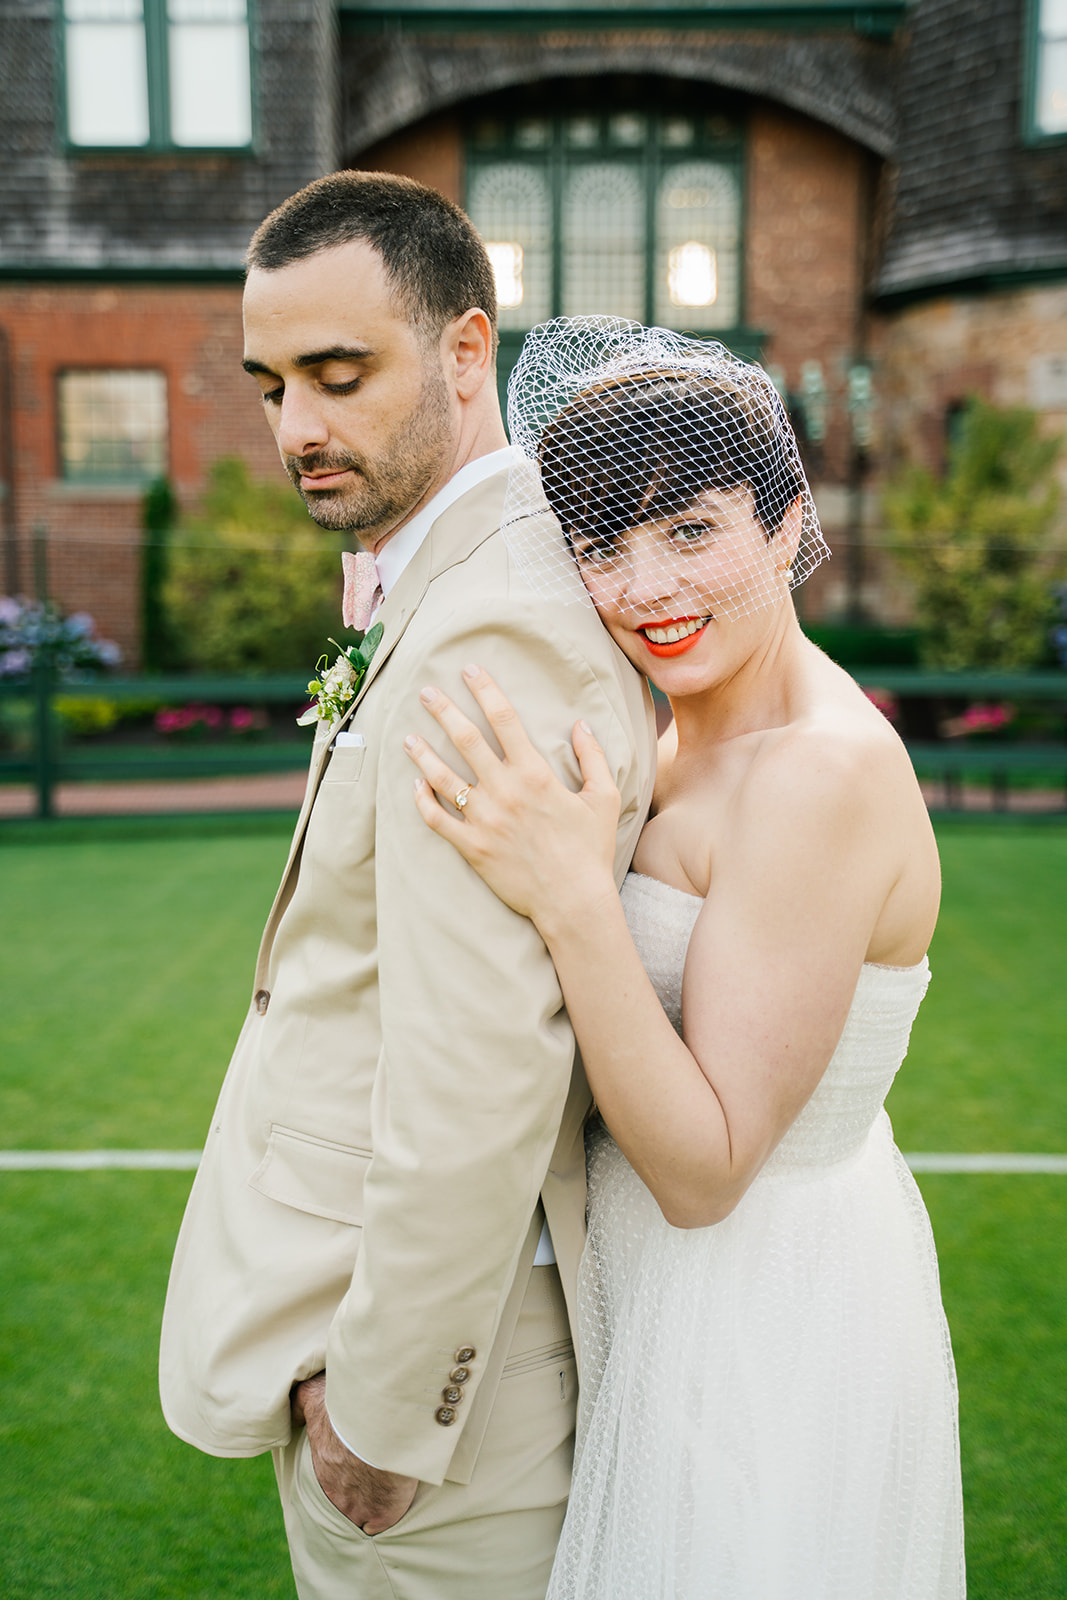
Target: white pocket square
pixel 345 740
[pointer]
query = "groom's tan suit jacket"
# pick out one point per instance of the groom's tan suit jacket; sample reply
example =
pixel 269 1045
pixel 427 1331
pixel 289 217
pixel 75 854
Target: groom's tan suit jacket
pixel 404 1087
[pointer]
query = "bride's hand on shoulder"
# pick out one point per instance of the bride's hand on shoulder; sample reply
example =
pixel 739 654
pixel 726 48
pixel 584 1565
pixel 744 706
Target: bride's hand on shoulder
pixel 540 847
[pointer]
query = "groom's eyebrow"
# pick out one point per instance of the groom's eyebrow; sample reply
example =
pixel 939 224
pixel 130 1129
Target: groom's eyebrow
pixel 334 352
pixel 315 358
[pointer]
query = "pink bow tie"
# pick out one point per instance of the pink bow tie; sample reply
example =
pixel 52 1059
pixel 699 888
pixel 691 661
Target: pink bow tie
pixel 362 589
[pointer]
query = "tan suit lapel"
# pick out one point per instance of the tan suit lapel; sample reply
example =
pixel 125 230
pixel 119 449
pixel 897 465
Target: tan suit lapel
pixel 457 532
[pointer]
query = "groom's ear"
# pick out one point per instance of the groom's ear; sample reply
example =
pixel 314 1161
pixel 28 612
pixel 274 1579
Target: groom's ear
pixel 467 352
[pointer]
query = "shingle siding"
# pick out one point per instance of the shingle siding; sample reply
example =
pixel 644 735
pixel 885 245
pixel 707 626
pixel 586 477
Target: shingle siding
pixel 152 211
pixel 972 198
pixel 389 81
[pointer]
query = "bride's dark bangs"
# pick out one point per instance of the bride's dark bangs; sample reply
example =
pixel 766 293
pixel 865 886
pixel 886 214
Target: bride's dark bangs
pixel 643 449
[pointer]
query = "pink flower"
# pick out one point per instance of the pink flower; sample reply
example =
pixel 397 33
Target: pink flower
pixel 885 701
pixel 978 719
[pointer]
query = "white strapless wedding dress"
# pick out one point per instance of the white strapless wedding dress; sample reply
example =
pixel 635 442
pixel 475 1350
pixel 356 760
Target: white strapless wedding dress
pixel 768 1405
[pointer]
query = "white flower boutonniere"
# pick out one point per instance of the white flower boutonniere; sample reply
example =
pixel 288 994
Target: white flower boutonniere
pixel 336 686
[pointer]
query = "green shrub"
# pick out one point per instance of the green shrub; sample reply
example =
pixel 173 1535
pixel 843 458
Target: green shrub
pixel 85 715
pixel 253 584
pixel 160 650
pixel 980 545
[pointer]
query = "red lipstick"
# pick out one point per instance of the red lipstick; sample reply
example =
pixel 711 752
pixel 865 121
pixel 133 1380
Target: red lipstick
pixel 677 647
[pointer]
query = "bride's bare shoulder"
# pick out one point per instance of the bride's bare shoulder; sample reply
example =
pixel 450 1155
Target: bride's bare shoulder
pixel 838 754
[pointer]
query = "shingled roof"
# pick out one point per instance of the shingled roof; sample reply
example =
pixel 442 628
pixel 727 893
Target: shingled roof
pixel 974 201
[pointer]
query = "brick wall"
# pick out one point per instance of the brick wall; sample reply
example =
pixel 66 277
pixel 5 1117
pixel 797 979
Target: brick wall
pixel 1009 347
pixel 431 152
pixel 193 335
pixel 806 206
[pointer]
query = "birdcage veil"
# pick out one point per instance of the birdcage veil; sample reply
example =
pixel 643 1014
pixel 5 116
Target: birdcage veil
pixel 648 461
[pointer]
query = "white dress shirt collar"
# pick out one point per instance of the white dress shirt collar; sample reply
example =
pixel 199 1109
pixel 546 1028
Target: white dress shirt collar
pixel 398 551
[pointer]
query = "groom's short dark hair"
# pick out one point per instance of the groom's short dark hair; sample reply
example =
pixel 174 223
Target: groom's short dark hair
pixel 435 261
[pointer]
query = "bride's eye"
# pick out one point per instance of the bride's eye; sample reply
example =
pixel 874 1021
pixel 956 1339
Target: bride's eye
pixel 690 532
pixel 596 550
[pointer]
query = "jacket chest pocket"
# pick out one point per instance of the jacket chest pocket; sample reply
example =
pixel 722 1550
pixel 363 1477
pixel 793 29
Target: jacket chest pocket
pixel 340 832
pixel 344 765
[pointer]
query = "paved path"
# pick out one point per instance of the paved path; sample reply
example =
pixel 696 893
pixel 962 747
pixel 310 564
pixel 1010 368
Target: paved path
pixel 187 1160
pixel 266 791
pixel 283 791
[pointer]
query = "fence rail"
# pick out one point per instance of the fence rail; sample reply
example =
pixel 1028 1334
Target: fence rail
pixel 52 760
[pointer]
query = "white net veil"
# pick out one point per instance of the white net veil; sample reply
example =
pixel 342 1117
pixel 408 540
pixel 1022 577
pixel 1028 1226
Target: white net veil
pixel 659 476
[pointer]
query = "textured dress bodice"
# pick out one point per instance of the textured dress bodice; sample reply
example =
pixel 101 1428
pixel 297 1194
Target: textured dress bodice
pixel 838 1118
pixel 768 1405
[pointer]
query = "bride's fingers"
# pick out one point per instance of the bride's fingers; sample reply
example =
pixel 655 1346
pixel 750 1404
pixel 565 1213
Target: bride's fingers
pixel 499 713
pixel 467 739
pixel 438 774
pixel 444 822
pixel 597 781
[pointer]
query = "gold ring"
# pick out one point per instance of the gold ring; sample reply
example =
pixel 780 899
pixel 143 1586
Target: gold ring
pixel 463 796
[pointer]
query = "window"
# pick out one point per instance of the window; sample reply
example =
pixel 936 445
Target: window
pixel 157 74
pixel 632 213
pixel 112 426
pixel 1047 98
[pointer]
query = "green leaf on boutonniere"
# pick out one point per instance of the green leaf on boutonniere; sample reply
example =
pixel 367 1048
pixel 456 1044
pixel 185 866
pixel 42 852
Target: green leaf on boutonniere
pixel 336 686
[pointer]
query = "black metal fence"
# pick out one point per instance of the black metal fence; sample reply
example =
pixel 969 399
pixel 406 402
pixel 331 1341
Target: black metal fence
pixel 985 738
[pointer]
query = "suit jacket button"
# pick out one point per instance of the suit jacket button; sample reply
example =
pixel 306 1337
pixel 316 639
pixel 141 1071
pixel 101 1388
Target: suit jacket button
pixel 465 1354
pixel 452 1395
pixel 445 1416
pixel 459 1374
pixel 262 1000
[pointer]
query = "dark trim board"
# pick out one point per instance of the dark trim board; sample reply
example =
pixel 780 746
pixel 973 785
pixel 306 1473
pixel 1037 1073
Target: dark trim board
pixel 34 272
pixel 980 283
pixel 879 20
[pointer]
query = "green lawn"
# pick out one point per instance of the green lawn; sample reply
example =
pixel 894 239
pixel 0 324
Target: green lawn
pixel 125 967
pixel 987 1069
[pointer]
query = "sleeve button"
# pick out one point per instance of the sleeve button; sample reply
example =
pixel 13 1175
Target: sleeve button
pixel 445 1415
pixel 464 1354
pixel 452 1395
pixel 459 1374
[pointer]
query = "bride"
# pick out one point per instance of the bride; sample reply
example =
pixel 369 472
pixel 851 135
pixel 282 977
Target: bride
pixel 768 1405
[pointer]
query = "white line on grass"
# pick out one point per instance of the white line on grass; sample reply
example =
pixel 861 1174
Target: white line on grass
pixel 96 1160
pixel 996 1162
pixel 187 1160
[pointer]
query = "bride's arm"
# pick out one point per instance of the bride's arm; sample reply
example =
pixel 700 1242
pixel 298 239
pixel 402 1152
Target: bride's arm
pixel 772 964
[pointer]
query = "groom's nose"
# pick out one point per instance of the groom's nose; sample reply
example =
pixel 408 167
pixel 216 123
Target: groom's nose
pixel 302 428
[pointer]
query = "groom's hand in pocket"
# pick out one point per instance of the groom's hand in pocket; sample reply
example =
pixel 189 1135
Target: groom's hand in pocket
pixel 372 1499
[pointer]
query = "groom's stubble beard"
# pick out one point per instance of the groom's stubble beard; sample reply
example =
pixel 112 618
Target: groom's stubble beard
pixel 385 489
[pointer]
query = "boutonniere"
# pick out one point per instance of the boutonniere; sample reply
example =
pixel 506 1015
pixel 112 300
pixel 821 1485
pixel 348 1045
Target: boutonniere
pixel 336 686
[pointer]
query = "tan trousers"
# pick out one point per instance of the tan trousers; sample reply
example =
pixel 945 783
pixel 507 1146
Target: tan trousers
pixel 491 1539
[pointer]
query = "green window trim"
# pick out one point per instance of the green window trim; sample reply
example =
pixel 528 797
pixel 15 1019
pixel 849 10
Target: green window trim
pixel 877 19
pixel 154 34
pixel 1044 49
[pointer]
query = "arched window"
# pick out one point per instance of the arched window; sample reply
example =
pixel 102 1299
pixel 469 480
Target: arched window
pixel 634 213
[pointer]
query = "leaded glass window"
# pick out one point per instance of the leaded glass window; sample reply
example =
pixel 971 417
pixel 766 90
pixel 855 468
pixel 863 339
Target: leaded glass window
pixel 113 425
pixel 603 239
pixel 634 213
pixel 514 201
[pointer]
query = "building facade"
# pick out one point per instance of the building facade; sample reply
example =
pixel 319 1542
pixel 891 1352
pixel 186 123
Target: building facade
pixel 871 200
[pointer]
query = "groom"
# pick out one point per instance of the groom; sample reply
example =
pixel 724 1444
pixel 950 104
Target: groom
pixel 364 1282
